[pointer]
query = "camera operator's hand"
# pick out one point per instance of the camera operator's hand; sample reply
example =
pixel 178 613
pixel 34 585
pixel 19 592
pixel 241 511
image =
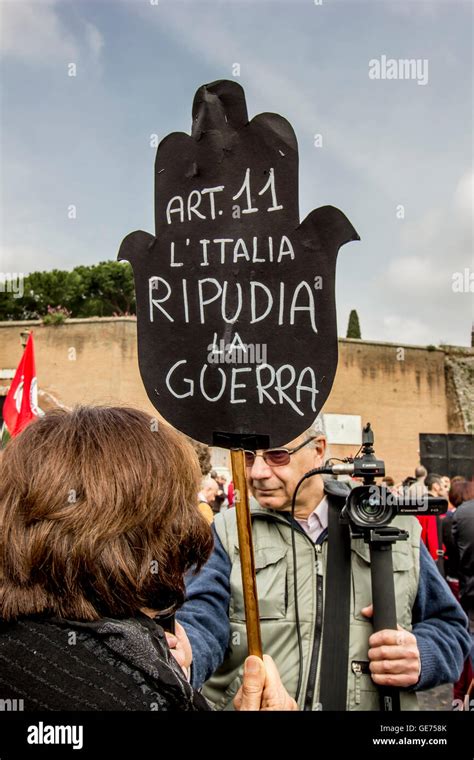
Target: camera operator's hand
pixel 394 656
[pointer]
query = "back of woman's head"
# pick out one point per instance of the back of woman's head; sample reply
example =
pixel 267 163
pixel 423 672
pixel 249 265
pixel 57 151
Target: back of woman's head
pixel 98 515
pixel 455 495
pixel 468 490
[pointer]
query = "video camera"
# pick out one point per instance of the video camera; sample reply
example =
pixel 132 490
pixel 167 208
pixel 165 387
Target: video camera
pixel 375 506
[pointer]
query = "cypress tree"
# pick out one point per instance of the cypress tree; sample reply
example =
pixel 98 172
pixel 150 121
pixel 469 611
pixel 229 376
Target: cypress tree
pixel 353 328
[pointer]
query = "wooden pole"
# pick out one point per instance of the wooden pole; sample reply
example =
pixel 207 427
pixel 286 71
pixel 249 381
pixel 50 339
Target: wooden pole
pixel 247 561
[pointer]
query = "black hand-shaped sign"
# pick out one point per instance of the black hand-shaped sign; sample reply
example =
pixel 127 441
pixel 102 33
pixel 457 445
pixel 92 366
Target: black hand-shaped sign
pixel 235 298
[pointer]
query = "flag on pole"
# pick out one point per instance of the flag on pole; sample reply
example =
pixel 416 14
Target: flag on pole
pixel 21 403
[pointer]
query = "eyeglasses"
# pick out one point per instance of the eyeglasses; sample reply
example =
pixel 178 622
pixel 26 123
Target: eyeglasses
pixel 274 457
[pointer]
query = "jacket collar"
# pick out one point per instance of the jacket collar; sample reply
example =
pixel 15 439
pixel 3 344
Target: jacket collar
pixel 333 489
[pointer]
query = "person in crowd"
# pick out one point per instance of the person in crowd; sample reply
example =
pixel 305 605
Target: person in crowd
pixel 389 483
pixel 451 565
pixel 418 487
pixel 405 484
pixel 431 525
pixel 446 482
pixel 451 558
pixel 98 526
pixel 428 648
pixel 220 498
pixel 463 537
pixel 231 494
pixel 206 497
pixel 454 486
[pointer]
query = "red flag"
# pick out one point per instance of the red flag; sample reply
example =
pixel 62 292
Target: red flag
pixel 21 403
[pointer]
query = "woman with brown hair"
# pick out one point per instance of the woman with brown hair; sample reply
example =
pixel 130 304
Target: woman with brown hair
pixel 98 525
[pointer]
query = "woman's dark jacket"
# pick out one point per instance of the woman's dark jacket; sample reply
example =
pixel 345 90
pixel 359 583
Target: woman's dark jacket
pixel 56 664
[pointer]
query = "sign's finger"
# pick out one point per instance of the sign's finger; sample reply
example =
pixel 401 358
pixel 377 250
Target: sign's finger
pixel 218 106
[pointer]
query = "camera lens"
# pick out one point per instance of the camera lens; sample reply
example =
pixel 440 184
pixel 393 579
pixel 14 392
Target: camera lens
pixel 368 506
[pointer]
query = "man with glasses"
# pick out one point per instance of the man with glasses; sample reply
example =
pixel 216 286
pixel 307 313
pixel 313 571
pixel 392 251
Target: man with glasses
pixel 293 624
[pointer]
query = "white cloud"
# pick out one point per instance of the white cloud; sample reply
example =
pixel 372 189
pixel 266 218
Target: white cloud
pixel 406 329
pixel 412 275
pixel 443 236
pixel 32 30
pixel 411 8
pixel 416 293
pixel 25 258
pixel 34 33
pixel 94 39
pixel 464 195
pixel 422 233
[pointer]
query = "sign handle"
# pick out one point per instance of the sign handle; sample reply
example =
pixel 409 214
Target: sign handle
pixel 247 560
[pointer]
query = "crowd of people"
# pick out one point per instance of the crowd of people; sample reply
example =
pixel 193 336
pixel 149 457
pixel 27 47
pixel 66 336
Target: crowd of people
pixel 215 495
pixel 121 589
pixel 449 538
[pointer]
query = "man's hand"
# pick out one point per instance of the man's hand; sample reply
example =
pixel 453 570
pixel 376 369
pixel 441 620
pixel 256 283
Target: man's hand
pixel 394 656
pixel 180 647
pixel 262 688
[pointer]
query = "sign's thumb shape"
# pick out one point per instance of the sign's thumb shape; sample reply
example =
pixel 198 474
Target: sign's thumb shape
pixel 135 246
pixel 328 229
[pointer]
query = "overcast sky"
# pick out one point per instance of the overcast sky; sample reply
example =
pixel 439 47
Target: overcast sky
pixel 84 140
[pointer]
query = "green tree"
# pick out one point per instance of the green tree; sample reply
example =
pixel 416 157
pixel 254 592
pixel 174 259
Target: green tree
pixel 109 290
pixel 353 328
pixel 101 290
pixel 9 307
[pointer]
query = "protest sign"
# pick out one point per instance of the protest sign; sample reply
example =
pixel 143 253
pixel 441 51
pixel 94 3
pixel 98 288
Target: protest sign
pixel 236 310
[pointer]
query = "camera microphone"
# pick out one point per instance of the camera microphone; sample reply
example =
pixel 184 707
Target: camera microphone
pixel 345 468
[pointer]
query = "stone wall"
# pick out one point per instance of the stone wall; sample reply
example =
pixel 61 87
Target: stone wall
pixel 401 390
pixel 90 361
pixel 460 382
